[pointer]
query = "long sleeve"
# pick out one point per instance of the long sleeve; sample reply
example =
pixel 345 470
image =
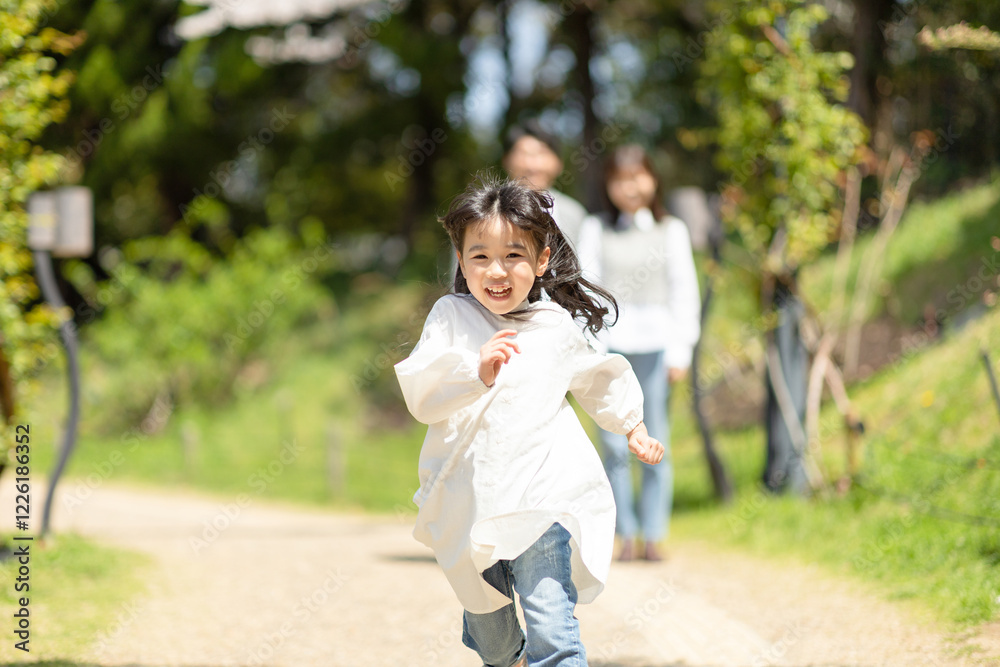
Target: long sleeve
pixel 684 297
pixel 439 378
pixel 606 387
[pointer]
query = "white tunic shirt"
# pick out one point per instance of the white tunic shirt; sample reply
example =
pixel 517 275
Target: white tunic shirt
pixel 501 464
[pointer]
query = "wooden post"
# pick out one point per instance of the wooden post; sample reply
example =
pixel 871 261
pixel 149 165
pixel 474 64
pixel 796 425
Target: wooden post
pixel 190 437
pixel 991 376
pixel 336 460
pixel 284 401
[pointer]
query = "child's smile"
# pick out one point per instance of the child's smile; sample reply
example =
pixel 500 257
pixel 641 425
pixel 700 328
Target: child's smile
pixel 499 293
pixel 499 264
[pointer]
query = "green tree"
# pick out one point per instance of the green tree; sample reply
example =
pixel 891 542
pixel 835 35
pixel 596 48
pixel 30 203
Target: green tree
pixel 785 140
pixel 32 96
pixel 223 135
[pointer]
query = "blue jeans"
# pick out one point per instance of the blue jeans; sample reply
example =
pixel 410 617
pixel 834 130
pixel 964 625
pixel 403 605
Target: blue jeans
pixel 657 492
pixel 541 577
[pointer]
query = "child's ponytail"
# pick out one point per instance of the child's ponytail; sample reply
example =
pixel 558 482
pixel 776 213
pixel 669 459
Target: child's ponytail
pixel 565 284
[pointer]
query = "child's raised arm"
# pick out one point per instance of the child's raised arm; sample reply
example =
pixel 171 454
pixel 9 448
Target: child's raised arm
pixel 439 378
pixel 606 387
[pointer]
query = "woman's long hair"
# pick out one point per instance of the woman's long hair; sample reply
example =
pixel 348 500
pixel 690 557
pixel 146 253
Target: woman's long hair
pixel 490 198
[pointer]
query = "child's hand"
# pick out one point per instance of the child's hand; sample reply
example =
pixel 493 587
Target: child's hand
pixel 649 450
pixel 494 353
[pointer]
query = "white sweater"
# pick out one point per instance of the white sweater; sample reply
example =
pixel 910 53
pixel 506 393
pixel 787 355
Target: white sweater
pixel 649 268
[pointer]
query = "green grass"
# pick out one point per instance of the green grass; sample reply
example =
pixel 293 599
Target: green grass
pixel 932 462
pixel 79 593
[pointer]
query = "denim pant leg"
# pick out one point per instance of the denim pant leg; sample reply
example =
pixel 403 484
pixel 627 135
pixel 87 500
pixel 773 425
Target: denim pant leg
pixel 616 465
pixel 548 598
pixel 496 636
pixel 656 496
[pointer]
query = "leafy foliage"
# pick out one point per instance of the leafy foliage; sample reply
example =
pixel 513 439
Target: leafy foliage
pixel 32 96
pixel 180 324
pixel 784 138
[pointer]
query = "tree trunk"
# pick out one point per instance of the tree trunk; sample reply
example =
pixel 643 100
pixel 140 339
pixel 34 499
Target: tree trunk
pixel 580 27
pixel 720 480
pixel 7 401
pixel 513 107
pixel 871 20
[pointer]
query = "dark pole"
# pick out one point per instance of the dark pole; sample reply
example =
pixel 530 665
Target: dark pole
pixel 579 24
pixel 720 481
pixel 67 331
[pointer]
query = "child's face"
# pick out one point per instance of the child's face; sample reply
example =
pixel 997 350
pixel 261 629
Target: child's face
pixel 631 188
pixel 499 264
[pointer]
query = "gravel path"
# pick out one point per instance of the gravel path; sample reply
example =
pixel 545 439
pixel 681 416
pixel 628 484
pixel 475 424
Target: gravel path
pixel 277 585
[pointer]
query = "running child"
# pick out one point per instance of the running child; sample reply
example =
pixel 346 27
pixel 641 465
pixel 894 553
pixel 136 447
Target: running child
pixel 513 496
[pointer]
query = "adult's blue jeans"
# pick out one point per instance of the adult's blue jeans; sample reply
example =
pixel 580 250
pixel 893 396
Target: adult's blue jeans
pixel 541 577
pixel 651 511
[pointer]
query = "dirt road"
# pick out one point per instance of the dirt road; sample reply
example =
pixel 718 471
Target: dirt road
pixel 267 584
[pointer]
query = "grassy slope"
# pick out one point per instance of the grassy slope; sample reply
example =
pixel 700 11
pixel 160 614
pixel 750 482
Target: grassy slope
pixel 932 259
pixel 932 454
pixel 931 450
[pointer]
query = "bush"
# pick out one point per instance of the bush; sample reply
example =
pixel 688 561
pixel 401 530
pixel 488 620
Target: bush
pixel 178 324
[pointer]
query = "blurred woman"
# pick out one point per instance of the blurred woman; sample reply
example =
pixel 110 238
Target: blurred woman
pixel 643 257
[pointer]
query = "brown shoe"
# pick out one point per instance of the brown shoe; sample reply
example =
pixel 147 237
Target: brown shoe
pixel 628 550
pixel 651 553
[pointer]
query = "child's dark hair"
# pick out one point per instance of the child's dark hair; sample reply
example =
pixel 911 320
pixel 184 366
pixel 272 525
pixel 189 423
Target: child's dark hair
pixel 489 198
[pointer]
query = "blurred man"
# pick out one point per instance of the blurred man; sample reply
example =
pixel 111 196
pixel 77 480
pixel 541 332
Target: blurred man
pixel 532 154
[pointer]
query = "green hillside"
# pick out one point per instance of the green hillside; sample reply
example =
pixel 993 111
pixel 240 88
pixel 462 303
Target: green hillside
pixel 935 264
pixel 923 521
